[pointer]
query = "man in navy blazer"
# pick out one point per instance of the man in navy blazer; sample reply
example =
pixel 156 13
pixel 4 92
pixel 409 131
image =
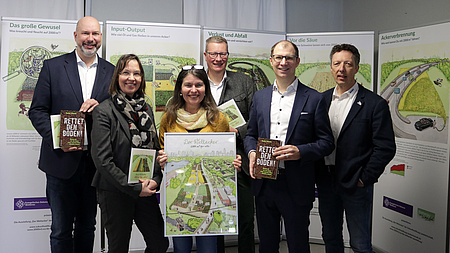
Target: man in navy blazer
pixel 365 144
pixel 74 81
pixel 295 114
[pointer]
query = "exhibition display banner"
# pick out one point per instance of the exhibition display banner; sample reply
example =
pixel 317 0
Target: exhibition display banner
pixel 314 68
pixel 314 71
pixel 163 50
pixel 24 212
pixel 249 52
pixel 410 200
pixel 200 186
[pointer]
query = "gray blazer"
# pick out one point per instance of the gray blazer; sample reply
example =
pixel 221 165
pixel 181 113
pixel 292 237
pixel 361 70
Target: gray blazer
pixel 111 148
pixel 241 88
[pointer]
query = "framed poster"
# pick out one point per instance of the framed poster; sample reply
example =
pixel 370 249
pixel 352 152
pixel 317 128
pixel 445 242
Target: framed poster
pixel 200 190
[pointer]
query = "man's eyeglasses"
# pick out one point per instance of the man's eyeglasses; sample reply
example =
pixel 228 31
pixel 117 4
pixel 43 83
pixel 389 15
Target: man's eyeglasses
pixel 127 74
pixel 189 67
pixel 214 55
pixel 279 58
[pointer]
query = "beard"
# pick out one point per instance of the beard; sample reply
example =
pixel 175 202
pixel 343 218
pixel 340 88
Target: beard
pixel 89 53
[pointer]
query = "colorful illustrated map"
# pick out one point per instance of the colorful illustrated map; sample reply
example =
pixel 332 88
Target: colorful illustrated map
pixel 200 186
pixel 418 94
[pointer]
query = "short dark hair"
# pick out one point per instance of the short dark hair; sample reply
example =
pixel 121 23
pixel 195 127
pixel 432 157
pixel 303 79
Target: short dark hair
pixel 285 42
pixel 346 47
pixel 121 64
pixel 177 101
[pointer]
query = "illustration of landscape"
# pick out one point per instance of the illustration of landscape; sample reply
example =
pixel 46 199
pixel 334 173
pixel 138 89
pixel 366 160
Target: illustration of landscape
pixel 200 193
pixel 417 91
pixel 318 75
pixel 24 66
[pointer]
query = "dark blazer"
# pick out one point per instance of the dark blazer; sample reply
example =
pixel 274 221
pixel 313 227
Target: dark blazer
pixel 309 130
pixel 366 143
pixel 59 88
pixel 241 88
pixel 111 149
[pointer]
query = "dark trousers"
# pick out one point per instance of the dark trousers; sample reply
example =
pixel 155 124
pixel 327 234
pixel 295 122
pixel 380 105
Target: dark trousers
pixel 358 209
pixel 73 205
pixel 273 202
pixel 118 212
pixel 246 214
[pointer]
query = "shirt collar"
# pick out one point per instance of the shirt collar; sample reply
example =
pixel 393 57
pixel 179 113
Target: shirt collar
pixel 291 88
pixel 221 82
pixel 350 92
pixel 80 61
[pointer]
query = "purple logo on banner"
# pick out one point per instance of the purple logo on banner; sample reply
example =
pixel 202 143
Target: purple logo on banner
pixel 30 203
pixel 398 206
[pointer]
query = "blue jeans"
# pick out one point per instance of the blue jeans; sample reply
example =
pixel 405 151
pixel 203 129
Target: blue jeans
pixel 333 202
pixel 73 204
pixel 205 244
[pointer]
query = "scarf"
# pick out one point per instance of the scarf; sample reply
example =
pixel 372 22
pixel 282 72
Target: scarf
pixel 192 121
pixel 142 127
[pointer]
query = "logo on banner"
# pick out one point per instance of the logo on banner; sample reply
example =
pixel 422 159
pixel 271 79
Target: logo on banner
pixel 30 203
pixel 398 206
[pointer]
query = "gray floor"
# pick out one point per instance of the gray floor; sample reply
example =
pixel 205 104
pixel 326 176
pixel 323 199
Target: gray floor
pixel 315 248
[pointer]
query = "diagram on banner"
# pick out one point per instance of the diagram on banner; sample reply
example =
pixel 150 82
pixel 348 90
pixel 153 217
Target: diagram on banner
pixel 24 66
pixel 418 94
pixel 257 69
pixel 161 72
pixel 200 184
pixel 318 75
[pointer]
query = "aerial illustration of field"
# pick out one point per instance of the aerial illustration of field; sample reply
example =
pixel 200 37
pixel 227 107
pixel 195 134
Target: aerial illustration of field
pixel 259 70
pixel 200 196
pixel 200 184
pixel 318 75
pixel 24 65
pixel 418 94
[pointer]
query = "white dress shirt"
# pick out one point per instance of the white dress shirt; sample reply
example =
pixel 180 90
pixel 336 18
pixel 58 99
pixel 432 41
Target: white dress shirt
pixel 339 108
pixel 280 112
pixel 216 89
pixel 87 76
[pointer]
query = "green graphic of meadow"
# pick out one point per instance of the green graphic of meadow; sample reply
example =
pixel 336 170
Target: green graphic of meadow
pixel 232 115
pixel 259 70
pixel 198 203
pixel 426 215
pixel 428 94
pixel 24 66
pixel 319 77
pixel 141 167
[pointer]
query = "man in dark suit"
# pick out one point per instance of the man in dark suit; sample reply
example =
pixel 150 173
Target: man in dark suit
pixel 73 81
pixel 295 114
pixel 364 138
pixel 227 85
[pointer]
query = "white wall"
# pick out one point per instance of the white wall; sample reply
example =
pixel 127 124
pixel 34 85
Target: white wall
pixel 158 11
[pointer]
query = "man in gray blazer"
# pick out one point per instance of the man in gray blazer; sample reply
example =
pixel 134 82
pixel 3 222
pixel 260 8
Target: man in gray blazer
pixel 227 85
pixel 75 81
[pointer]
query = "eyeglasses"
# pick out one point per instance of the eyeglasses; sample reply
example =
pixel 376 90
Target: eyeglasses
pixel 279 58
pixel 189 67
pixel 214 55
pixel 127 74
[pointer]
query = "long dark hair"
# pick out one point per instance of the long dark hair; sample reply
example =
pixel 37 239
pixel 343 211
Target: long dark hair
pixel 121 63
pixel 177 101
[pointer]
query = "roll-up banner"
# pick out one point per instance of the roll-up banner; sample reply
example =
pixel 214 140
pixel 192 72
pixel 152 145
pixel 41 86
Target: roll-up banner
pixel 25 216
pixel 314 70
pixel 314 49
pixel 249 52
pixel 411 197
pixel 163 50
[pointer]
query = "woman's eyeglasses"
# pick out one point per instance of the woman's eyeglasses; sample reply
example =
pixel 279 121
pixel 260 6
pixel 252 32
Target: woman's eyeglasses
pixel 189 67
